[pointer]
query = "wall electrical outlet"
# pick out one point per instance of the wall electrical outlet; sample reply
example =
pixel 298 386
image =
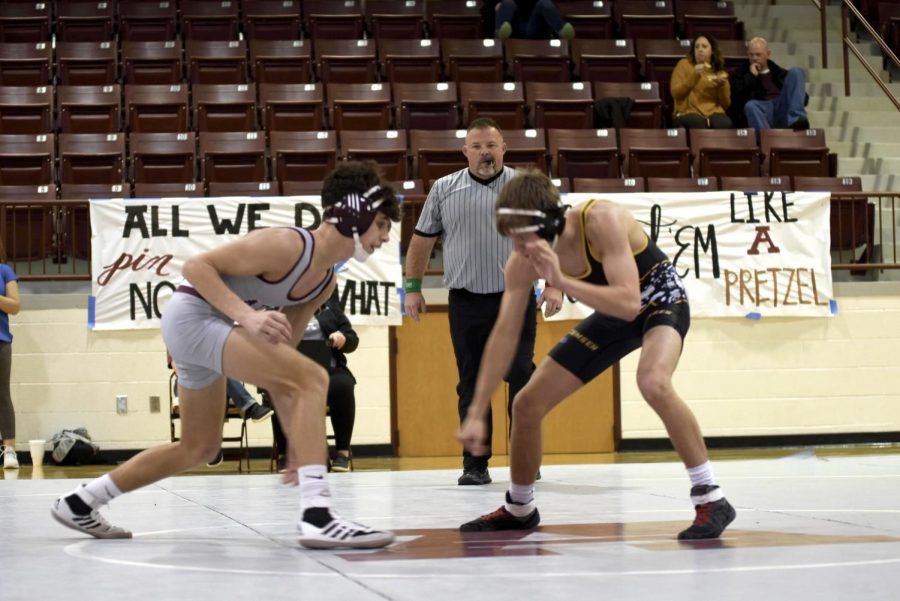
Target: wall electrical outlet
pixel 121 404
pixel 154 404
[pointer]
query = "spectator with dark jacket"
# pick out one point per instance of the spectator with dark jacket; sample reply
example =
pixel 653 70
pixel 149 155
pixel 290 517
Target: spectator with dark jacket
pixel 767 95
pixel 331 327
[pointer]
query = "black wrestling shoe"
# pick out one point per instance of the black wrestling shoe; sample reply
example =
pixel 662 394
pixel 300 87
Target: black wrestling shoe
pixel 474 477
pixel 712 516
pixel 502 520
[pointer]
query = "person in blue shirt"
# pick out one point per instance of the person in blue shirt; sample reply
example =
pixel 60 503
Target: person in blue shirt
pixel 9 305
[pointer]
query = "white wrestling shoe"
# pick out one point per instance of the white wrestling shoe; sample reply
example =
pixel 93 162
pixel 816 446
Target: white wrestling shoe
pixel 321 529
pixel 90 523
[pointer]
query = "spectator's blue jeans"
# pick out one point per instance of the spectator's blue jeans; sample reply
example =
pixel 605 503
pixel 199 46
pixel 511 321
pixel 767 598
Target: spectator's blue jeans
pixel 782 111
pixel 544 21
pixel 238 394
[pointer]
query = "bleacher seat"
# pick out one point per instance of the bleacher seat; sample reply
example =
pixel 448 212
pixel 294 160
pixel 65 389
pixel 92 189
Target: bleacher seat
pixel 467 60
pixel 87 63
pixel 26 64
pixel 291 106
pixel 682 184
pixel 646 110
pixel 725 152
pixel 152 62
pixel 156 190
pixel 458 19
pixel 85 21
pixel 756 184
pixel 395 19
pixel 156 108
pixel 538 60
pixel 346 61
pixel 504 102
pixel 329 20
pixel 526 148
pixel 388 148
pixel 310 188
pixel 224 107
pixel 852 219
pixel 609 185
pixel 281 61
pixel 426 105
pixel 26 22
pixel 655 152
pixel 592 19
pixel 91 159
pixel 26 109
pixel 233 156
pixel 604 60
pixel 147 21
pixel 29 222
pixel 209 20
pixel 271 20
pixel 645 19
pixel 560 105
pixel 217 62
pixel 90 109
pixel 702 17
pixel 27 160
pixel 302 155
pixel 584 153
pixel 788 152
pixel 243 189
pixel 163 158
pixel 437 153
pixel 410 61
pixel 359 105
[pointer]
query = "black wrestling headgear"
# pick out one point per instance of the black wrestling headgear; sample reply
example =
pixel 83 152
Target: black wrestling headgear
pixel 547 222
pixel 355 213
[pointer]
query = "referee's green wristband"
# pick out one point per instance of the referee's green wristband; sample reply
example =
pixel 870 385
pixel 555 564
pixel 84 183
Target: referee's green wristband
pixel 412 285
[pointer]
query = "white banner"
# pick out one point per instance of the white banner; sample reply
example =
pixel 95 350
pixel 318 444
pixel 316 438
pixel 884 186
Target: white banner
pixel 138 247
pixel 739 254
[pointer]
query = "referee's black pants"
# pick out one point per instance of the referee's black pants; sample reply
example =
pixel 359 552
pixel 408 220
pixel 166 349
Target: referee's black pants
pixel 472 316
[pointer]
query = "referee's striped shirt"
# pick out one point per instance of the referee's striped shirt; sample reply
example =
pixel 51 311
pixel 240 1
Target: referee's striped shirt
pixel 460 209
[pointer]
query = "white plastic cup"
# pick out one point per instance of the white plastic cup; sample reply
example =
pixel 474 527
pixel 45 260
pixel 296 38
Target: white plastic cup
pixel 37 448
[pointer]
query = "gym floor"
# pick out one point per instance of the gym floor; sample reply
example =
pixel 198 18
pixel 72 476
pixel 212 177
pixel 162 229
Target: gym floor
pixel 816 523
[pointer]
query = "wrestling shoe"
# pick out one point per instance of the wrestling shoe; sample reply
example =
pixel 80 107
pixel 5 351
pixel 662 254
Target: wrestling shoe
pixel 502 520
pixel 321 529
pixel 72 512
pixel 714 513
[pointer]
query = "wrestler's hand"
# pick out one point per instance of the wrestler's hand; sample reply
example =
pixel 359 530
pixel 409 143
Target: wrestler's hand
pixel 415 304
pixel 472 434
pixel 274 326
pixel 552 301
pixel 545 262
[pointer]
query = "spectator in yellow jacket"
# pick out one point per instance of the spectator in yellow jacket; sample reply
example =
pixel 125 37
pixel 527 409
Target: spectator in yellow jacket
pixel 700 87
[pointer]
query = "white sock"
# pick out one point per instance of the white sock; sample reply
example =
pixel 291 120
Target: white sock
pixel 522 497
pixel 313 487
pixel 99 492
pixel 702 475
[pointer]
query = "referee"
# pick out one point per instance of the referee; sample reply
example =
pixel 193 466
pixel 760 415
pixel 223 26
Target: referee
pixel 460 209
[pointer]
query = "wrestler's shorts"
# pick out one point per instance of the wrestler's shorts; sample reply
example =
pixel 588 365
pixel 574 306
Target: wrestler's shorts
pixel 195 335
pixel 600 340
